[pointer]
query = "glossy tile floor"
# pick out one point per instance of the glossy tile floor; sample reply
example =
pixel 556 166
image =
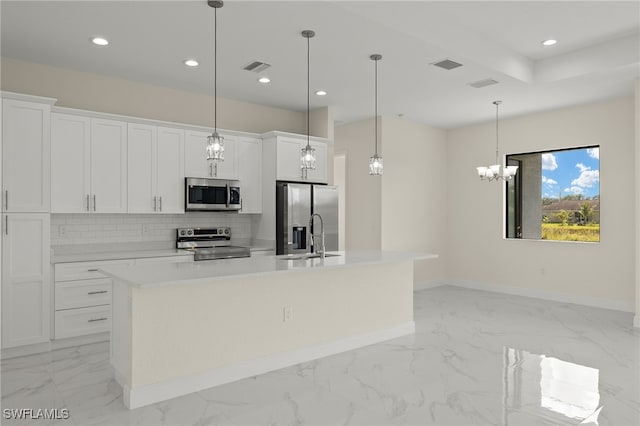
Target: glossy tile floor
pixel 477 358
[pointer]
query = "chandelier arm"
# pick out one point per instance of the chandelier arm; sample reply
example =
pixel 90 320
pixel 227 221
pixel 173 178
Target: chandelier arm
pixel 497 152
pixel 376 107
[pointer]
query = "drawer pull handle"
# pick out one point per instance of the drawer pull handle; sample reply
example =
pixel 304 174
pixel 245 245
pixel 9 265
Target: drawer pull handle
pixel 97 319
pixel 92 270
pixel 97 292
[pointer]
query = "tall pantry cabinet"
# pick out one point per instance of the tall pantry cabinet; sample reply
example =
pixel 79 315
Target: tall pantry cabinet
pixel 25 207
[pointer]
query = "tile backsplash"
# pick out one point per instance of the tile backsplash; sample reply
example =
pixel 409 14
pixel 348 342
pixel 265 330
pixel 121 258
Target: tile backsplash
pixel 124 228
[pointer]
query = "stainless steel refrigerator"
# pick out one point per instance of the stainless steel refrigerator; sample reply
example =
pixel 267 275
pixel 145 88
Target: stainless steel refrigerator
pixel 295 203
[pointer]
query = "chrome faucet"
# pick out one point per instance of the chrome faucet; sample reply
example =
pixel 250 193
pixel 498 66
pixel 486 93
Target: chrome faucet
pixel 321 251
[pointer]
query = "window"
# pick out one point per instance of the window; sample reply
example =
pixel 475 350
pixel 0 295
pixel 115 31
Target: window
pixel 555 195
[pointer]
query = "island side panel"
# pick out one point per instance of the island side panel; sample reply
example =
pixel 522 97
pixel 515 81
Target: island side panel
pixel 185 330
pixel 120 349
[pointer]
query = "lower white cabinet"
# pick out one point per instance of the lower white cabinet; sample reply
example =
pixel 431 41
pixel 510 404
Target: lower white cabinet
pixel 83 295
pixel 25 279
pixel 83 321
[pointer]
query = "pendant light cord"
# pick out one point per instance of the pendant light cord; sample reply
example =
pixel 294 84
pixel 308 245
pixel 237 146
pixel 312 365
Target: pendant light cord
pixel 376 107
pixel 215 70
pixel 497 103
pixel 308 89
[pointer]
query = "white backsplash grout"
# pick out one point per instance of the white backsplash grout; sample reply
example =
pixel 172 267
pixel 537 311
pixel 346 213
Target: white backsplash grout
pixel 125 228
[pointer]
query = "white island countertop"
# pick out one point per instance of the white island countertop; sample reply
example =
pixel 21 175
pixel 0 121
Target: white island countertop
pixel 158 275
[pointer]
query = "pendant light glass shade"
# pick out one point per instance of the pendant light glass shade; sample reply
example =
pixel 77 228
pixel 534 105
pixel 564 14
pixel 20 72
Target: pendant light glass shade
pixel 215 142
pixel 215 147
pixel 493 172
pixel 308 154
pixel 375 161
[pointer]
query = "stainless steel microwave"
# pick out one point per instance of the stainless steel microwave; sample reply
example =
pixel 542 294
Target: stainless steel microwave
pixel 212 194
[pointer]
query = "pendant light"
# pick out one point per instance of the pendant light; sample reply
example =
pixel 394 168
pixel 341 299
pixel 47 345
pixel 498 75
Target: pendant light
pixel 375 162
pixel 215 142
pixel 308 154
pixel 493 172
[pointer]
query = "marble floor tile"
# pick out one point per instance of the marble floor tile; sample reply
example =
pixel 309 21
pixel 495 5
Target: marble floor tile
pixel 477 358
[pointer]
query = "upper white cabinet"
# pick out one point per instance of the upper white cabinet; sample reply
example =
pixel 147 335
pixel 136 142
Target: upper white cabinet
pixel 26 274
pixel 196 163
pixel 288 151
pixel 26 137
pixel 155 169
pixel 89 165
pixel 250 173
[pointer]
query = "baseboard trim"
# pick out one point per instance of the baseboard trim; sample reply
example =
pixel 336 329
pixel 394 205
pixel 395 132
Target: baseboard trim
pixel 547 295
pixel 149 394
pixel 25 350
pixel 80 340
pixel 424 285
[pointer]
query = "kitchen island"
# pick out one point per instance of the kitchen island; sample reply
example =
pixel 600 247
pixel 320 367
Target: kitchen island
pixel 180 328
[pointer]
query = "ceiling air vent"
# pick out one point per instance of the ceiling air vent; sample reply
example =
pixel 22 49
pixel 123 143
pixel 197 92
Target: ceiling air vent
pixel 256 66
pixel 446 64
pixel 483 83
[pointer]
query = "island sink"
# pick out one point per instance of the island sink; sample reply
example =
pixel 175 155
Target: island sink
pixel 305 256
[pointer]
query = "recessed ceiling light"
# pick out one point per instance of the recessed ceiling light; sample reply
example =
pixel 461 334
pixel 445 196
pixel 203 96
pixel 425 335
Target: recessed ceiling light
pixel 549 42
pixel 191 62
pixel 264 80
pixel 100 41
pixel 321 92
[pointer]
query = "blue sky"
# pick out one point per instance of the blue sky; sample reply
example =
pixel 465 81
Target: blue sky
pixel 575 171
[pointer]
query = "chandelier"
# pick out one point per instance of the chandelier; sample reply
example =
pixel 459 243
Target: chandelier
pixel 215 142
pixel 308 154
pixel 493 172
pixel 375 161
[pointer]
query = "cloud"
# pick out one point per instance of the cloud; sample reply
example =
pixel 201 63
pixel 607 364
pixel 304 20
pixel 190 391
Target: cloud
pixel 575 190
pixel 548 181
pixel 594 152
pixel 587 178
pixel 549 161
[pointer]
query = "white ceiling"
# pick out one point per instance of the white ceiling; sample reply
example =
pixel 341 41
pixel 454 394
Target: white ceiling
pixel 597 55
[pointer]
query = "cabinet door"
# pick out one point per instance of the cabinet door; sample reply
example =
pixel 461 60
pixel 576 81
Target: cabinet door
pixel 319 174
pixel 227 169
pixel 25 279
pixel 170 170
pixel 288 158
pixel 26 144
pixel 141 166
pixel 249 153
pixel 195 155
pixel 108 166
pixel 70 162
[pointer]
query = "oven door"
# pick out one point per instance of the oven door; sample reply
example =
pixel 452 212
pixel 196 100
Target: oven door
pixel 211 194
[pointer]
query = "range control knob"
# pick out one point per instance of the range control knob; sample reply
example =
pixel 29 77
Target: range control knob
pixel 183 232
pixel 220 231
pixel 226 231
pixel 190 232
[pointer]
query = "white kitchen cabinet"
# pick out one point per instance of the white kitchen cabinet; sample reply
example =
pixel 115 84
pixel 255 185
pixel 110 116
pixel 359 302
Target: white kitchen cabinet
pixel 25 279
pixel 288 150
pixel 89 165
pixel 155 169
pixel 250 173
pixel 83 294
pixel 196 163
pixel 26 145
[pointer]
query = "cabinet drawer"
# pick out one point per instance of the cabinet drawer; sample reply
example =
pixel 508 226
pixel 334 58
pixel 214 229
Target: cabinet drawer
pixel 82 293
pixel 85 270
pixel 82 321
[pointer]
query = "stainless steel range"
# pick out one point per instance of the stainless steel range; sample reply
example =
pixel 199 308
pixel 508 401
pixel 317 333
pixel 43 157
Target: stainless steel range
pixel 209 243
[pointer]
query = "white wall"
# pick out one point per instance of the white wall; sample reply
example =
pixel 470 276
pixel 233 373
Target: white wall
pixel 636 320
pixel 600 274
pixel 94 92
pixel 364 193
pixel 414 188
